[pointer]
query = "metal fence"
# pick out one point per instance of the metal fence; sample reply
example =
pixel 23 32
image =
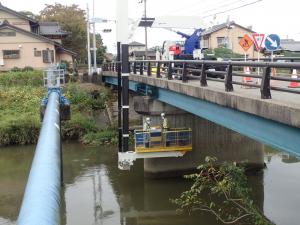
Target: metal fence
pixel 225 71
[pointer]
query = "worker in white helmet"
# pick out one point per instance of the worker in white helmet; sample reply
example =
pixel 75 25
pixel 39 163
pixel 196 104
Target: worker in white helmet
pixel 164 128
pixel 147 124
pixel 147 129
pixel 164 122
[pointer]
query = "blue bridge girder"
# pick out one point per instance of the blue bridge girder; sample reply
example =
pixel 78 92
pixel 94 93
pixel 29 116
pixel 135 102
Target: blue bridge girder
pixel 270 132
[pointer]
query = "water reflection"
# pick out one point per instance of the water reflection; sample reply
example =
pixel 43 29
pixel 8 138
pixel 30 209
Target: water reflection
pixel 96 192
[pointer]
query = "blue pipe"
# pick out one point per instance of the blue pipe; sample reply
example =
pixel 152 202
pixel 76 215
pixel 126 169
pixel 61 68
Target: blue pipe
pixel 41 201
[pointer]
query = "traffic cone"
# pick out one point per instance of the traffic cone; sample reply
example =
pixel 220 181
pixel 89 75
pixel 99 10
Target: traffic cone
pixel 247 71
pixel 294 84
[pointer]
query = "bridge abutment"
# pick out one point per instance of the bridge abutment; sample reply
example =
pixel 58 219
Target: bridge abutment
pixel 209 139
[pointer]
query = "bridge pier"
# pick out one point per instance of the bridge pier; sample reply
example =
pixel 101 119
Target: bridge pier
pixel 209 139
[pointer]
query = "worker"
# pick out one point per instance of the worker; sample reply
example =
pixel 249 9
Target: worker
pixel 147 128
pixel 164 122
pixel 164 128
pixel 147 125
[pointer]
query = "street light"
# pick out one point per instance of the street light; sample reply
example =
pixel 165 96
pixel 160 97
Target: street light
pixel 93 21
pixel 145 16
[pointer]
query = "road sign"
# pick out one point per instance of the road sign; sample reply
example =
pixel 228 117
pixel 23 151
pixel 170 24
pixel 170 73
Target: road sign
pixel 258 40
pixel 246 42
pixel 272 42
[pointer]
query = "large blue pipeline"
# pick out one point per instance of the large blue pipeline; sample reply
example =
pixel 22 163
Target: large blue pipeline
pixel 41 201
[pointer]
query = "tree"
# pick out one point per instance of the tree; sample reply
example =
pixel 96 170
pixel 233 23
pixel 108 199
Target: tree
pixel 29 14
pixel 222 191
pixel 71 19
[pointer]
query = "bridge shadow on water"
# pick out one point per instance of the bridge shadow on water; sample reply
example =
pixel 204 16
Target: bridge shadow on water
pixel 96 192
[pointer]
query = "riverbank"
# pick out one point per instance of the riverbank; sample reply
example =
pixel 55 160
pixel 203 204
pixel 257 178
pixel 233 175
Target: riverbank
pixel 20 97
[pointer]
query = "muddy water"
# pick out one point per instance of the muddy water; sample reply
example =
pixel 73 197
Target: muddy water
pixel 96 192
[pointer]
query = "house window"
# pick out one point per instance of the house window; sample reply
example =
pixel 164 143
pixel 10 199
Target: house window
pixel 222 41
pixel 37 53
pixel 48 56
pixel 7 34
pixel 11 54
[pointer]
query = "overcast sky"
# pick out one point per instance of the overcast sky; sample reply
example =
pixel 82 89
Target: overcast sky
pixel 265 16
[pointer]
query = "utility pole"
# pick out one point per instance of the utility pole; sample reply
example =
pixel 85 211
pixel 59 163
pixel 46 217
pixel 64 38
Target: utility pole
pixel 122 37
pixel 94 38
pixel 88 39
pixel 146 33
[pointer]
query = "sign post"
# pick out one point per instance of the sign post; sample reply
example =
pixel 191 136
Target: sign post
pixel 272 43
pixel 246 43
pixel 258 40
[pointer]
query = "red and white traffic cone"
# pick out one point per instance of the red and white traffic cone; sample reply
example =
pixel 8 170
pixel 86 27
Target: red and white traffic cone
pixel 294 84
pixel 247 71
pixel 245 78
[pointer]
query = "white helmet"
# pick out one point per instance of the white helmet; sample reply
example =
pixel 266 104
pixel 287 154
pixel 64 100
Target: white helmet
pixel 162 114
pixel 148 119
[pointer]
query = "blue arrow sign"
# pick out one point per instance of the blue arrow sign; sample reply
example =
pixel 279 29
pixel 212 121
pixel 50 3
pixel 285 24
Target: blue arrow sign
pixel 272 42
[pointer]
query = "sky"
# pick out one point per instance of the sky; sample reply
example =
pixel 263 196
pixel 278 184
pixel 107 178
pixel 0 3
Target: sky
pixel 265 16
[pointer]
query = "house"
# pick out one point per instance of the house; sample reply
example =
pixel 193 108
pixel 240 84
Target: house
pixel 136 46
pixel 227 35
pixel 290 45
pixel 27 42
pixel 137 51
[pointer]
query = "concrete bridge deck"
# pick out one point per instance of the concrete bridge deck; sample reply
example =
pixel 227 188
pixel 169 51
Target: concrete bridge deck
pixel 283 107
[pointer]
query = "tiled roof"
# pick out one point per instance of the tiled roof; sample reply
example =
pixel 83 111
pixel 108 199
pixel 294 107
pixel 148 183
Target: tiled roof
pixel 5 24
pixel 51 28
pixel 20 15
pixel 135 43
pixel 222 26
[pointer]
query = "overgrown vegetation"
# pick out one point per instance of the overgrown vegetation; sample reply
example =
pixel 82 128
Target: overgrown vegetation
pixel 222 191
pixel 99 138
pixel 20 97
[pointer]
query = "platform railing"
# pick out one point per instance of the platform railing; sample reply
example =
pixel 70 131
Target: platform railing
pixel 218 71
pixel 157 140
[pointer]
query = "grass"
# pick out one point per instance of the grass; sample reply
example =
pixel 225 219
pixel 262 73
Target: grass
pixel 20 97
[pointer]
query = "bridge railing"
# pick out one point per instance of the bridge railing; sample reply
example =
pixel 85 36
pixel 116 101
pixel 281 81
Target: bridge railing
pixel 227 72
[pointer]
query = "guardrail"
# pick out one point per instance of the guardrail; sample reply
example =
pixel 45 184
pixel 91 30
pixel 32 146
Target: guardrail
pixel 202 70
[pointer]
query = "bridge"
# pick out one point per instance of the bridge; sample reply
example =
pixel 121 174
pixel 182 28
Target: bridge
pixel 267 112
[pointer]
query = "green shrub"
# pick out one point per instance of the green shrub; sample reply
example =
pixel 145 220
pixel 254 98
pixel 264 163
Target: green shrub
pixel 24 130
pixel 87 101
pixel 16 69
pixel 77 127
pixel 27 68
pixel 101 137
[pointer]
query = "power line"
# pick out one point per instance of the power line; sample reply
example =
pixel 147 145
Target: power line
pixel 185 7
pixel 228 10
pixel 218 7
pixel 222 6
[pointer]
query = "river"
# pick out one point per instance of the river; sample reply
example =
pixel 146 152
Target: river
pixel 96 192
